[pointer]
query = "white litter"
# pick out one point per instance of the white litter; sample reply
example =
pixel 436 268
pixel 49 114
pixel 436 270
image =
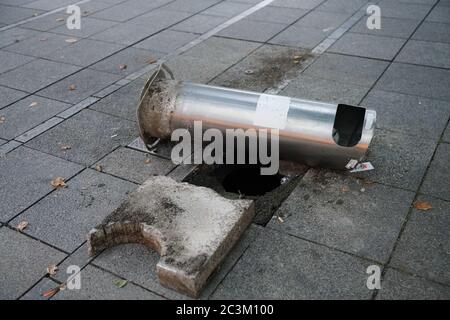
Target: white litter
pixel 351 164
pixel 365 166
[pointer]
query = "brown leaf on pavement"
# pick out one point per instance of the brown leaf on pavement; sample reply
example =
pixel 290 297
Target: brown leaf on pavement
pixel 22 225
pixel 33 104
pixel 422 205
pixel 65 147
pixel 52 269
pixel 72 87
pixel 151 61
pixel 2 119
pixel 58 182
pixel 99 168
pixel 51 292
pixel 122 66
pixel 147 161
pixel 71 40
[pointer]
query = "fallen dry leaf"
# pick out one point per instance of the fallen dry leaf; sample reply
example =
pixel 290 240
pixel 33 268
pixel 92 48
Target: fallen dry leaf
pixel 2 119
pixel 151 61
pixel 121 283
pixel 72 87
pixel 122 66
pixel 99 168
pixel 280 219
pixel 43 39
pixel 33 104
pixel 422 205
pixel 22 225
pixel 71 40
pixel 50 293
pixel 52 269
pixel 58 182
pixel 345 189
pixel 60 19
pixel 249 72
pixel 147 161
pixel 65 147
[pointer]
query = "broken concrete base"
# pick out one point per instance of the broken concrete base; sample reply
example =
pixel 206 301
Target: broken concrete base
pixel 192 228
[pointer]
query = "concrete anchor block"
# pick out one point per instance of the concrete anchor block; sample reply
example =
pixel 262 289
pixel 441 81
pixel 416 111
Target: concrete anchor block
pixel 192 228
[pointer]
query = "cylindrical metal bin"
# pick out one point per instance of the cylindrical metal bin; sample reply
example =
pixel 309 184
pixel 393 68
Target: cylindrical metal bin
pixel 310 132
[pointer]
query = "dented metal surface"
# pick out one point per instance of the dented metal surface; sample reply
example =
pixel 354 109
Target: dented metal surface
pixel 311 132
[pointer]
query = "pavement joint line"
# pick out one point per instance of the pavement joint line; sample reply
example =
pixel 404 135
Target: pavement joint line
pixel 323 46
pixel 40 16
pixel 409 213
pixel 30 134
pixel 78 107
pixel 9 146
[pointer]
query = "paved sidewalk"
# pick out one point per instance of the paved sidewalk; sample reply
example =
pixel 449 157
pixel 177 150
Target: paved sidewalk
pixel 67 108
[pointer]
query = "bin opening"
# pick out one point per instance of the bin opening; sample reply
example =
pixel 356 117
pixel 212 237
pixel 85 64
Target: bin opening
pixel 348 125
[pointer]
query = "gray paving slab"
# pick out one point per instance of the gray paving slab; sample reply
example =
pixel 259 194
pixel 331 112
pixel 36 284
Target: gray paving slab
pixel 199 23
pixel 127 33
pixel 326 214
pixel 278 15
pixel 216 49
pixel 26 177
pixel 194 69
pixel 86 83
pixel 352 70
pixel 8 147
pixel 400 160
pixel 39 45
pixel 416 80
pixel 433 31
pixel 80 258
pixel 400 286
pixel 78 107
pixel 318 89
pixel 393 9
pixel 24 262
pixel 2 142
pixel 122 103
pixel 438 174
pixel 38 290
pixel 246 29
pixel 190 5
pixel 137 263
pixel 423 248
pixel 36 75
pixel 48 4
pixel 279 266
pixel 323 20
pixel 120 13
pixel 10 14
pixel 426 53
pixel 227 9
pixel 48 22
pixel 83 52
pixel 134 166
pixel 15 35
pixel 89 27
pixel 269 65
pixel 102 133
pixel 446 136
pixel 10 96
pixel 12 60
pixel 28 113
pixel 64 218
pixel 439 14
pixel 161 18
pixel 346 6
pixel 390 27
pixel 303 37
pixel 134 59
pixel 166 41
pixel 16 2
pixel 370 46
pixel 405 113
pixel 305 4
pixel 97 284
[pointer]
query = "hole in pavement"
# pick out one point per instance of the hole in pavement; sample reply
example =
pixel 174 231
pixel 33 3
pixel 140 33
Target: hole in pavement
pixel 245 182
pixel 249 182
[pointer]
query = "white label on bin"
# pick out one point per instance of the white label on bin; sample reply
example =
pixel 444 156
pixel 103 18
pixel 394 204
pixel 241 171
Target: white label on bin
pixel 271 111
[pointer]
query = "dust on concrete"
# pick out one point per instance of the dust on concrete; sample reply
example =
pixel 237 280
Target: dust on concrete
pixel 264 70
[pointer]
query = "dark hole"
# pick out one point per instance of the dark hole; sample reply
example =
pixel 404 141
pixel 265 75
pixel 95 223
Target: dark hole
pixel 249 181
pixel 348 125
